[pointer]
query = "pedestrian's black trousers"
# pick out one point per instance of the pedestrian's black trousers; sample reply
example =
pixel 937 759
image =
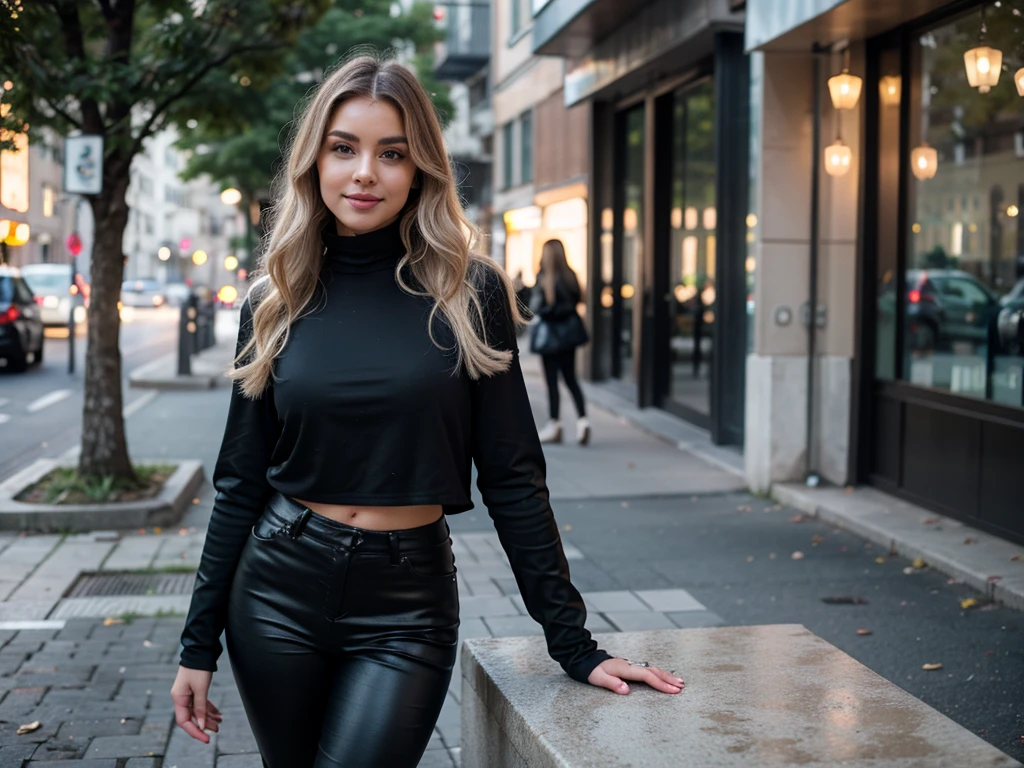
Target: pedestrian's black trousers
pixel 342 640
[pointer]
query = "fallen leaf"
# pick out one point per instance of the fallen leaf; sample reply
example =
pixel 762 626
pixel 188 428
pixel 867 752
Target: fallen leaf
pixel 879 560
pixel 142 531
pixel 182 531
pixel 848 489
pixel 797 555
pixel 110 620
pixel 969 540
pixel 566 527
pixel 931 667
pixel 919 563
pixel 863 631
pixel 796 519
pixel 1014 559
pixel 158 529
pixel 184 555
pixel 968 602
pixel 931 521
pixel 195 501
pixel 29 727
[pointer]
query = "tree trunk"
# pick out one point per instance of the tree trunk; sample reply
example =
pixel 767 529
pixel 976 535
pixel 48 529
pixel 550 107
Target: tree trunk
pixel 104 450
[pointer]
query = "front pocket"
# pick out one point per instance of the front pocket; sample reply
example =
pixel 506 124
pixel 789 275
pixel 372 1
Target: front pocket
pixel 438 562
pixel 266 528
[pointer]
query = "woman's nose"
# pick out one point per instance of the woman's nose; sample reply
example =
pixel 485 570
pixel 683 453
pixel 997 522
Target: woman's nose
pixel 365 173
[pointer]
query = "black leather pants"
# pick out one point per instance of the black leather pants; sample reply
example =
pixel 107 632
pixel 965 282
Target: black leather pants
pixel 342 640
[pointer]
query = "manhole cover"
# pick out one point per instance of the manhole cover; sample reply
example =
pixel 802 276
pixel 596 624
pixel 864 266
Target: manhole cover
pixel 109 584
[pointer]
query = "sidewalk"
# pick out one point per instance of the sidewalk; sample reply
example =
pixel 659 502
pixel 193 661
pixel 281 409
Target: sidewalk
pixel 656 538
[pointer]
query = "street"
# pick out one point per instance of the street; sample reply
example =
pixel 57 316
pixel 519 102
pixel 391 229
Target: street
pixel 656 538
pixel 40 409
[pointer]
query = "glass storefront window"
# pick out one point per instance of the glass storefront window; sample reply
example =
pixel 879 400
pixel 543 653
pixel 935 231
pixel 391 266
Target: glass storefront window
pixel 692 247
pixel 632 234
pixel 963 301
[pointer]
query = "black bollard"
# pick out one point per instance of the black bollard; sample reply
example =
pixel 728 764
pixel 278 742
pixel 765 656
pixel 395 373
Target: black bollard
pixel 187 336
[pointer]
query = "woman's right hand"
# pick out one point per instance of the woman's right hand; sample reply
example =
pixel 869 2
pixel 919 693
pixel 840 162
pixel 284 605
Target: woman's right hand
pixel 193 712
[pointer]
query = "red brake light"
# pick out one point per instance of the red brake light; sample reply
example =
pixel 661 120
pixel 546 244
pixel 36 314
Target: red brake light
pixel 915 296
pixel 12 314
pixel 73 290
pixel 39 300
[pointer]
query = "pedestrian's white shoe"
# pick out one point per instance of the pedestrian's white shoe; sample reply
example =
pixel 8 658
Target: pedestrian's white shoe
pixel 552 432
pixel 582 431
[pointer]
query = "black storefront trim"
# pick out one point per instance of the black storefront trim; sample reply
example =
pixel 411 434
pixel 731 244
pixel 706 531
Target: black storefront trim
pixel 959 456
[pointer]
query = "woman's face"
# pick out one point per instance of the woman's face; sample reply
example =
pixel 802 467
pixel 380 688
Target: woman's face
pixel 364 165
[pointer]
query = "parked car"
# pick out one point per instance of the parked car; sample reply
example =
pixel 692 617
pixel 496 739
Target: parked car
pixel 54 292
pixel 21 326
pixel 947 305
pixel 1010 324
pixel 143 292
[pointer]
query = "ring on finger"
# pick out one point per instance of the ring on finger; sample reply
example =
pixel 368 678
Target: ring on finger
pixel 644 664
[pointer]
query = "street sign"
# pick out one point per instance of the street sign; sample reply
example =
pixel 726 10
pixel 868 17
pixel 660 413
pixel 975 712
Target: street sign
pixel 83 166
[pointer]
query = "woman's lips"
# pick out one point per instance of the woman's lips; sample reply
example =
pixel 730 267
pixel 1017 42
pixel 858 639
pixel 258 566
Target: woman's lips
pixel 362 204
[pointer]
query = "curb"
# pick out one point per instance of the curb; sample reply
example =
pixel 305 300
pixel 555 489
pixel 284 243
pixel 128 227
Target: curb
pixel 159 374
pixel 164 509
pixel 911 531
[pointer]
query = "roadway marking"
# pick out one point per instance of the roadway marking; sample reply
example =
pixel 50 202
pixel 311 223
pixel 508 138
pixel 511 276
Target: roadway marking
pixel 47 400
pixel 133 407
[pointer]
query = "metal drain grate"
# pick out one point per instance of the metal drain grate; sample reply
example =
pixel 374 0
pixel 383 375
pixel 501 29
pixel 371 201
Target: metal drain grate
pixel 111 584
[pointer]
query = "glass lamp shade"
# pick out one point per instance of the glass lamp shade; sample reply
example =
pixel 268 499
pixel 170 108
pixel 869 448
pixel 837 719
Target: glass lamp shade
pixel 1018 80
pixel 983 65
pixel 838 157
pixel 889 89
pixel 845 90
pixel 924 162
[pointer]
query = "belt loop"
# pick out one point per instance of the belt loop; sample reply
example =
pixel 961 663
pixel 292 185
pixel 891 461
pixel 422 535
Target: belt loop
pixel 299 523
pixel 393 545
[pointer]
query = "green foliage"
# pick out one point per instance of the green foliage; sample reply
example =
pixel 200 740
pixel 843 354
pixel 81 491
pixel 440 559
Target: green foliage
pixel 241 146
pixel 64 484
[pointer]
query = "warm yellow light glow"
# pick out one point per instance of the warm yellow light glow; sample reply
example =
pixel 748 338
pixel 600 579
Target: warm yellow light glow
pixel 924 162
pixel 566 214
pixel 710 218
pixel 629 219
pixel 523 219
pixel 17 234
pixel 838 157
pixel 627 291
pixel 199 258
pixel 972 227
pixel 607 297
pixel 5 228
pixel 230 196
pixel 690 218
pixel 227 294
pixel 751 220
pixel 163 253
pixel 607 219
pixel 889 89
pixel 916 228
pixel 230 263
pixel 47 201
pixel 750 264
pixel 1018 80
pixel 707 296
pixel 845 90
pixel 8 85
pixel 677 218
pixel 983 65
pixel 1012 211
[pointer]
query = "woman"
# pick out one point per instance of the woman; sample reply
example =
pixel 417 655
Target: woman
pixel 557 333
pixel 375 360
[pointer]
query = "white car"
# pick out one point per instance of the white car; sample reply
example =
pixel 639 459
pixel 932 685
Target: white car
pixel 143 292
pixel 51 284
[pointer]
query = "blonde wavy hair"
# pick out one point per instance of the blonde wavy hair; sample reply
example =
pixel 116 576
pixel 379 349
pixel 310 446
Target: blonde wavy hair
pixel 435 231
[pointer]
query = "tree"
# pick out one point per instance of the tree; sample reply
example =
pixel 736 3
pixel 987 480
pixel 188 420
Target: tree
pixel 244 149
pixel 125 69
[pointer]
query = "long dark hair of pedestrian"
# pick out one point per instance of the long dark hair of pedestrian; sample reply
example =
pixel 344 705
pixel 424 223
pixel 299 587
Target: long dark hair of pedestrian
pixel 554 268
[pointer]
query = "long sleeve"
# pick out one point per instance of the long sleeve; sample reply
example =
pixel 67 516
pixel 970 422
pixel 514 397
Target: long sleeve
pixel 511 477
pixel 240 481
pixel 566 299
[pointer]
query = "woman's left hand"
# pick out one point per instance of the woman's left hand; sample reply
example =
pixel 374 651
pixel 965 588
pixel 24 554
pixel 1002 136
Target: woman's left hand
pixel 613 673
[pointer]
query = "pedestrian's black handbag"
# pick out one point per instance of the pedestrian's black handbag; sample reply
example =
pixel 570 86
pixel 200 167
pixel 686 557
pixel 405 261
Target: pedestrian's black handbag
pixel 551 336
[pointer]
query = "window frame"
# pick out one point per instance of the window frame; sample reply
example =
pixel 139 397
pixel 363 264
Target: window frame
pixel 507 154
pixel 526 147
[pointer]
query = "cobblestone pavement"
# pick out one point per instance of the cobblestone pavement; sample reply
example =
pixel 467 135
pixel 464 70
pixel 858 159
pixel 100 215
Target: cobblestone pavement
pixel 98 688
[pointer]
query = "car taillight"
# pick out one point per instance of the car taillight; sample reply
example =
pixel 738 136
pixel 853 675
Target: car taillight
pixel 39 300
pixel 915 296
pixel 10 315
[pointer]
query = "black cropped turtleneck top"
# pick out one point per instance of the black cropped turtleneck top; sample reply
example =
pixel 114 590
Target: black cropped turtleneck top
pixel 364 408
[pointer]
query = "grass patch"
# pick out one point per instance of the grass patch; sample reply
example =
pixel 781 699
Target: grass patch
pixel 64 485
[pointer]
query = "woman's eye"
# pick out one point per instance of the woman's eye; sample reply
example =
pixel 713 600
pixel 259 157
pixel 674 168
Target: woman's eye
pixel 392 154
pixel 342 148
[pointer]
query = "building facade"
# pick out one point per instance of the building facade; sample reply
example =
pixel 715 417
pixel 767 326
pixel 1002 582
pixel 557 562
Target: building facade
pixel 897 216
pixel 666 89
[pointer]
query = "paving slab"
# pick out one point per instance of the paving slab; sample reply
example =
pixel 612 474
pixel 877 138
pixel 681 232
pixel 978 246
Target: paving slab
pixel 761 695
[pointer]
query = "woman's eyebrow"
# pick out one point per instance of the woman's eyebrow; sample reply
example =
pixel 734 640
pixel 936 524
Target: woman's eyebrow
pixel 346 136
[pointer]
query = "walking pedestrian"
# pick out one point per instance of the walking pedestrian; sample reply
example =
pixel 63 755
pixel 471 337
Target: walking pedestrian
pixel 376 358
pixel 556 334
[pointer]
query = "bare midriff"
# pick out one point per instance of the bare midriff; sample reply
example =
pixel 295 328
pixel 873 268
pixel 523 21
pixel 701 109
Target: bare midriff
pixel 378 518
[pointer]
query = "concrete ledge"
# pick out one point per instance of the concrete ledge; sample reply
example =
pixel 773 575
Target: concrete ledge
pixel 162 373
pixel 979 559
pixel 164 509
pixel 755 696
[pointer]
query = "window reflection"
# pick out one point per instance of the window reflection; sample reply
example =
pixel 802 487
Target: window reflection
pixel 964 293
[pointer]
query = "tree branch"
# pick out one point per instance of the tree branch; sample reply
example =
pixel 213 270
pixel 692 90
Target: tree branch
pixel 160 108
pixel 71 30
pixel 63 113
